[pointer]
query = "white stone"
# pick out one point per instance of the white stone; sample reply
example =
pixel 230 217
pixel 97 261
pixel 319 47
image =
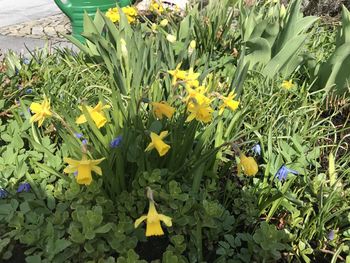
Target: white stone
pixel 181 4
pixel 37 30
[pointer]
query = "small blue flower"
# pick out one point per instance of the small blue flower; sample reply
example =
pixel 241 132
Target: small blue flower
pixel 24 187
pixel 116 142
pixel 75 173
pixel 78 135
pixel 3 193
pixel 26 61
pixel 283 172
pixel 29 91
pixel 331 235
pixel 257 149
pixel 85 142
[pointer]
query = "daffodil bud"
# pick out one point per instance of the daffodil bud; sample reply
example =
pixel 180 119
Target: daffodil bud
pixel 123 47
pixel 283 11
pixel 164 22
pixel 191 47
pixel 171 38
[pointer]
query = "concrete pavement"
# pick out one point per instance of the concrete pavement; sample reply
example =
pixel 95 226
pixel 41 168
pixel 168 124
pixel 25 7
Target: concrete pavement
pixel 18 11
pixel 31 24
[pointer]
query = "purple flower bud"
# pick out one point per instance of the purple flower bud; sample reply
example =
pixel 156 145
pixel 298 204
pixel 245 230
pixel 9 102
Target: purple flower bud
pixel 3 193
pixel 257 149
pixel 85 142
pixel 29 91
pixel 116 142
pixel 78 135
pixel 331 235
pixel 283 172
pixel 24 187
pixel 26 61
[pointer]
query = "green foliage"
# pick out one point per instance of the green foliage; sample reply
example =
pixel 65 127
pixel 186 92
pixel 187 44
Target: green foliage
pixel 275 39
pixel 333 73
pixel 217 215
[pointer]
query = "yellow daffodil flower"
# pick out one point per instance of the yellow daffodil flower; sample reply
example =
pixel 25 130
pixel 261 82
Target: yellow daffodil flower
pixel 41 111
pixel 229 103
pixel 191 79
pixel 177 74
pixel 287 84
pixel 198 94
pixel 96 114
pixel 129 11
pixel 153 227
pixel 199 111
pixel 248 165
pixel 161 109
pixel 157 142
pixel 156 6
pixel 83 168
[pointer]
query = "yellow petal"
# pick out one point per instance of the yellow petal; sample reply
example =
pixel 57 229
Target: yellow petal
pixel 149 147
pixel 84 174
pixel 71 161
pixel 166 220
pixel 96 169
pixel 163 134
pixel 35 107
pixel 249 165
pixel 140 220
pixel 70 169
pixel 99 119
pixel 81 119
pixel 154 229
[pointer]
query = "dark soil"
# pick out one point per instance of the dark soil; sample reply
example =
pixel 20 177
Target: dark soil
pixel 17 255
pixel 153 248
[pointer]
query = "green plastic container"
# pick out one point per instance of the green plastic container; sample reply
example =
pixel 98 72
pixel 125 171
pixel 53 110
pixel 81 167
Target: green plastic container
pixel 75 9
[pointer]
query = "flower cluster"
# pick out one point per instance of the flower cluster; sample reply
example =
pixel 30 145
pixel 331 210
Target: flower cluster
pixel 129 11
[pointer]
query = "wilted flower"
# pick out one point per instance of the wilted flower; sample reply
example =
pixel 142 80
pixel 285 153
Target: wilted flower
pixel 157 142
pixel 161 109
pixel 24 187
pixel 41 111
pixel 153 227
pixel 116 142
pixel 282 173
pixel 257 149
pixel 287 84
pixel 96 114
pixel 248 165
pixel 3 193
pixel 229 102
pixel 83 167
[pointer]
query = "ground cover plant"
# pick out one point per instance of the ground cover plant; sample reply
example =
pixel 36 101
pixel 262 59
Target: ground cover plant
pixel 216 135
